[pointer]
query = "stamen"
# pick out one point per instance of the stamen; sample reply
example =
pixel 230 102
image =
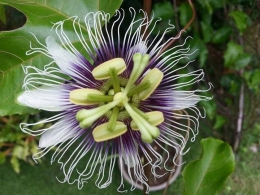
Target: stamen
pixel 81 96
pixel 101 132
pixel 155 77
pixel 113 118
pixel 115 81
pixel 139 88
pixel 148 132
pixel 88 117
pixel 154 118
pixel 140 62
pixel 142 114
pixel 102 71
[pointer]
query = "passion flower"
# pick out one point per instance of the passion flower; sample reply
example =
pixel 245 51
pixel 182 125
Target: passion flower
pixel 112 103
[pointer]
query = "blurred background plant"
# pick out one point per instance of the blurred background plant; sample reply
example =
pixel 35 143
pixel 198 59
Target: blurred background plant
pixel 15 145
pixel 227 36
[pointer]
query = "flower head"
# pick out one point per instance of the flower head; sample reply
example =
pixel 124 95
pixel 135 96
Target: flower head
pixel 114 102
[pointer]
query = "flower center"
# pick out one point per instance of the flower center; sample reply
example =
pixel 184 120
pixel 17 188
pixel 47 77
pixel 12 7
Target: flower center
pixel 120 100
pixel 121 97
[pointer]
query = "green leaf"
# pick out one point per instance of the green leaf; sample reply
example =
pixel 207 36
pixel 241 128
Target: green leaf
pixel 232 53
pixel 235 56
pixel 20 152
pixel 210 4
pixel 252 79
pixel 163 10
pixel 216 4
pixel 243 61
pixel 185 13
pixel 2 158
pixel 220 121
pixel 206 17
pixel 15 164
pixel 40 18
pixel 208 174
pixel 231 83
pixel 222 34
pixel 210 107
pixel 206 4
pixel 206 32
pixel 197 44
pixel 241 19
pixel 2 14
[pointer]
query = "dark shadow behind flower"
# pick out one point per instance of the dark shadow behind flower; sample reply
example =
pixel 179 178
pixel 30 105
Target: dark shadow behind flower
pixel 114 105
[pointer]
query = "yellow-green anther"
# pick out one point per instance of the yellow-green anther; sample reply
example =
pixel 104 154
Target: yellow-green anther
pixel 148 132
pixel 100 98
pixel 155 77
pixel 154 118
pixel 113 118
pixel 115 81
pixel 101 133
pixel 142 114
pixel 140 62
pixel 102 71
pixel 139 88
pixel 88 117
pixel 88 121
pixel 81 96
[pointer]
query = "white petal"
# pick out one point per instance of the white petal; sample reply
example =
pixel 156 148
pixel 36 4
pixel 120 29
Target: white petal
pixel 63 58
pixel 130 159
pixel 138 48
pixel 175 100
pixel 45 98
pixel 59 132
pixel 182 100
